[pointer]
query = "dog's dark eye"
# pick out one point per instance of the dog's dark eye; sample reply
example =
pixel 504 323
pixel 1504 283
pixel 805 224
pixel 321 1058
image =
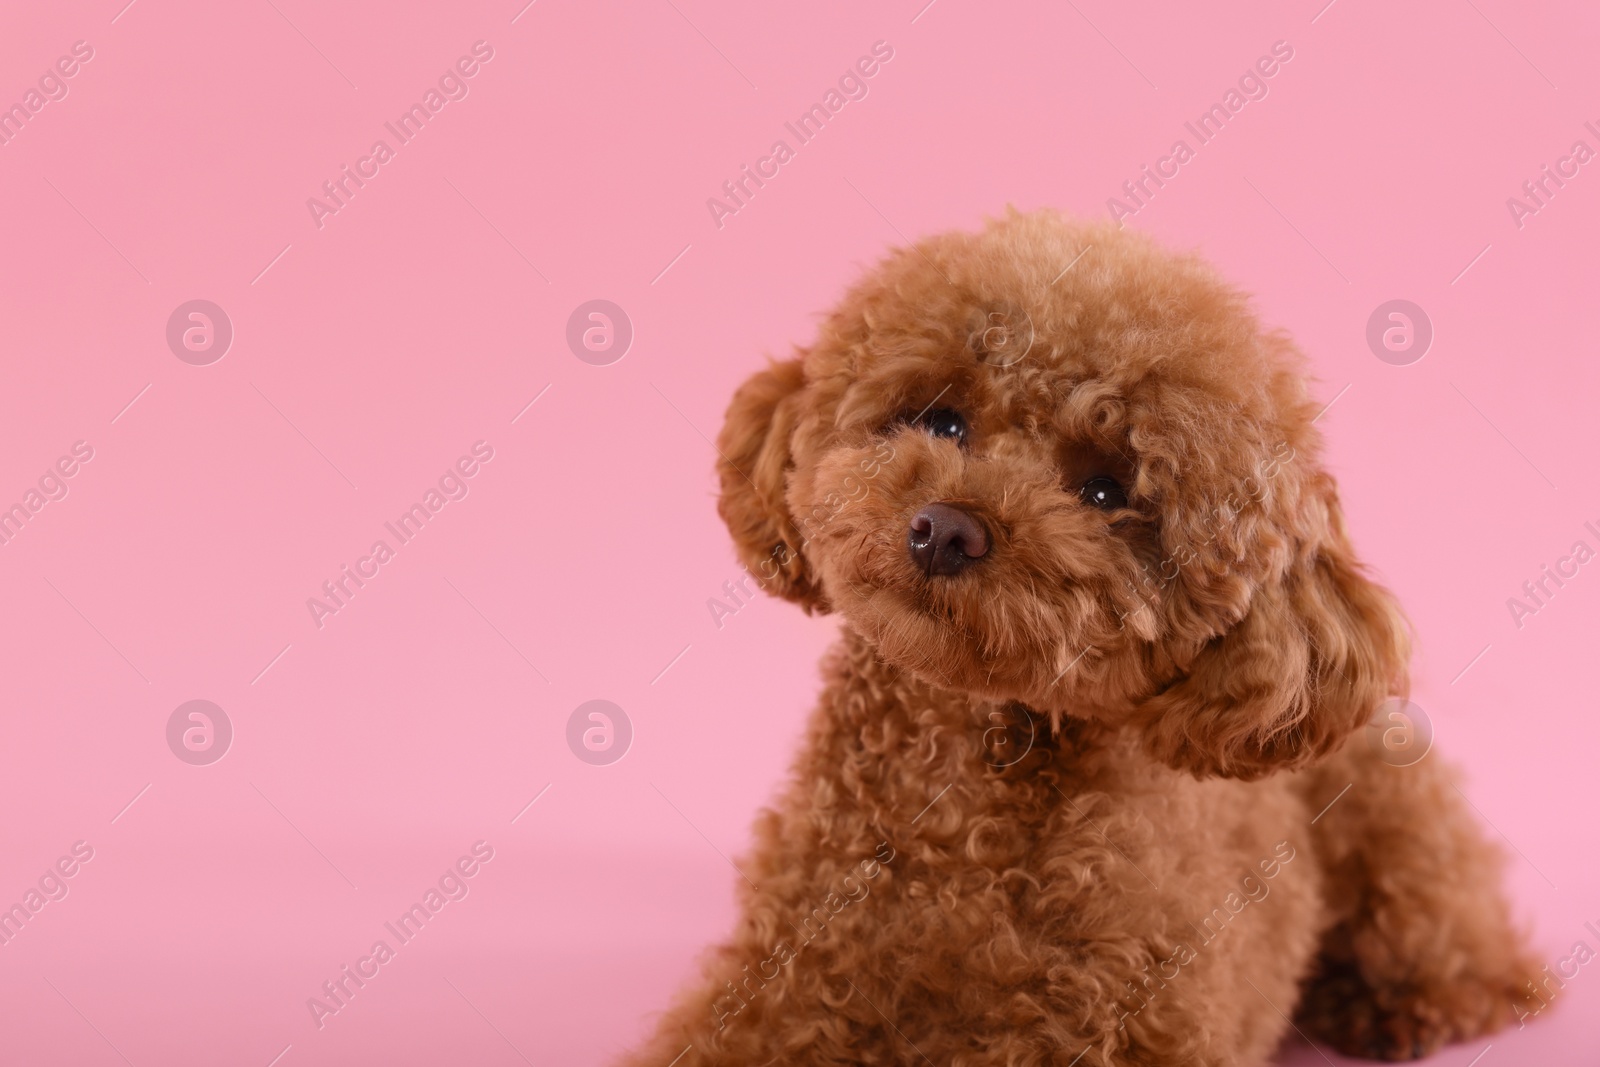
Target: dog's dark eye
pixel 942 422
pixel 1104 493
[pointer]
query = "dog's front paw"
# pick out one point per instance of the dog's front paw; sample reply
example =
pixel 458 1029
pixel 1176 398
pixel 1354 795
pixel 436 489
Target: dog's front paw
pixel 1407 1020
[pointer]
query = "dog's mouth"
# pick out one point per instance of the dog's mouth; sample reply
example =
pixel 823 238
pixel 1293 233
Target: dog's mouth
pixel 982 631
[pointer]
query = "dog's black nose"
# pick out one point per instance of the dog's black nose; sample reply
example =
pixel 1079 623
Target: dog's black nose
pixel 945 540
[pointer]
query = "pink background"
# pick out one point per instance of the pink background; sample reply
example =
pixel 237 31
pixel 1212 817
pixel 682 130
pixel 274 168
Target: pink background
pixel 372 352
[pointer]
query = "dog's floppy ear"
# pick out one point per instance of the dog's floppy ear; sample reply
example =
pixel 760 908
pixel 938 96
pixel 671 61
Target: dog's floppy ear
pixel 753 464
pixel 1319 649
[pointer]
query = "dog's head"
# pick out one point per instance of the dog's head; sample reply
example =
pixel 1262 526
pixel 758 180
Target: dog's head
pixel 1054 464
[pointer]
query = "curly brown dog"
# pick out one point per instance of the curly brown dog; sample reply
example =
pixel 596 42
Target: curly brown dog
pixel 1088 782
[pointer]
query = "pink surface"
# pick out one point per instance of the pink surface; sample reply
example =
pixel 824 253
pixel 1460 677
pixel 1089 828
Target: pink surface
pixel 371 352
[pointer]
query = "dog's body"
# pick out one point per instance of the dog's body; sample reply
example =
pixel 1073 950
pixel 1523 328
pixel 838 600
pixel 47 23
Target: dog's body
pixel 1088 781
